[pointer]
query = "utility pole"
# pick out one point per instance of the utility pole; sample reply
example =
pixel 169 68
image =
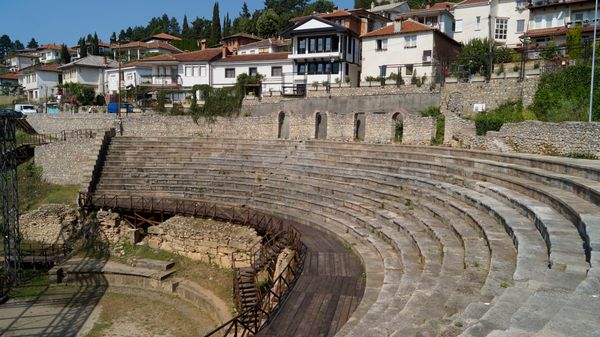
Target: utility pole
pixel 593 63
pixel 119 84
pixel 490 49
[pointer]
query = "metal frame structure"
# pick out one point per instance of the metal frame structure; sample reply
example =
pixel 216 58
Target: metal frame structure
pixel 10 200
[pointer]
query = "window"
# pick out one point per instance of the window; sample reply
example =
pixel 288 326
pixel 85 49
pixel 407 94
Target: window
pixel 538 22
pixel 263 50
pixel 229 72
pixel 458 26
pixel 521 4
pixel 301 69
pixel 409 69
pixel 383 71
pixel 382 44
pixel 302 46
pixel 312 45
pixel 410 41
pixel 328 44
pixel 426 56
pixel 202 71
pixel 276 71
pixel 187 71
pixel 478 23
pixel 320 45
pixel 520 26
pixel 501 28
pixel 252 71
pixel 312 68
pixel 130 76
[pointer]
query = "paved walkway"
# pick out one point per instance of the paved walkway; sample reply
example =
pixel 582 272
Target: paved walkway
pixel 327 293
pixel 60 313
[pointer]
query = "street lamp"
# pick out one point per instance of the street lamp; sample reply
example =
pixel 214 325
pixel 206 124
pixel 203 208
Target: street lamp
pixel 593 62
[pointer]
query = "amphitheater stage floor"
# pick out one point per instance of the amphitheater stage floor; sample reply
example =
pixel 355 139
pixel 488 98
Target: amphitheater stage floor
pixel 327 293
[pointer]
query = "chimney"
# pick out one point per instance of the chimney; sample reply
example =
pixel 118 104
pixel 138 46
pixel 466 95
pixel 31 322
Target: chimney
pixel 428 5
pixel 105 60
pixel 224 51
pixel 398 25
pixel 372 4
pixel 202 44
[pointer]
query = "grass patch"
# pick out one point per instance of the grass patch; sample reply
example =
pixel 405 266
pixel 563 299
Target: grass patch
pixel 581 155
pixel 145 252
pixel 34 191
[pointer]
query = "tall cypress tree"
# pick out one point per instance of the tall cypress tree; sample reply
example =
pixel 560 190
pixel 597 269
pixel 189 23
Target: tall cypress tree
pixel 95 45
pixel 113 38
pixel 215 30
pixel 82 48
pixel 185 28
pixel 65 57
pixel 226 25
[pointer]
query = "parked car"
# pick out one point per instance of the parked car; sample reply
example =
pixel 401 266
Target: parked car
pixel 112 107
pixel 25 108
pixel 10 113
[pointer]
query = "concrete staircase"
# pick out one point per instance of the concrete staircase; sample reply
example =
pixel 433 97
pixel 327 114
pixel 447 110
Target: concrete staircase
pixel 465 242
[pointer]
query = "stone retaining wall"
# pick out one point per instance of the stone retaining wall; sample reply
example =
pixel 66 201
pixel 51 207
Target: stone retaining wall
pixel 48 124
pixel 62 162
pixel 565 139
pixel 203 240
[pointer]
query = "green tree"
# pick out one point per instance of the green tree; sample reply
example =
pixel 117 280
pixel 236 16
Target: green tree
pixel 32 44
pixel 83 52
pixel 474 56
pixel 215 29
pixel 575 43
pixel 113 38
pixel 174 26
pixel 185 28
pixel 226 25
pixel 245 11
pixel 65 56
pixel 268 24
pixel 549 51
pixel 95 45
pixel 18 45
pixel 122 36
pixel 5 45
pixel 319 6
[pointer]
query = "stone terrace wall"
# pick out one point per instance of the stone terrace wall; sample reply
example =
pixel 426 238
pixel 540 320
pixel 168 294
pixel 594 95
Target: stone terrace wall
pixel 44 123
pixel 418 130
pixel 551 138
pixel 458 98
pixel 204 240
pixel 62 162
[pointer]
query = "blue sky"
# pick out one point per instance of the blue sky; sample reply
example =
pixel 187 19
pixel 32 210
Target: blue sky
pixel 64 21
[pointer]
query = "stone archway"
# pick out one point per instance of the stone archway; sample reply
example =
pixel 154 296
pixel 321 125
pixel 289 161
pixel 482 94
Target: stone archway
pixel 359 126
pixel 397 127
pixel 320 125
pixel 283 126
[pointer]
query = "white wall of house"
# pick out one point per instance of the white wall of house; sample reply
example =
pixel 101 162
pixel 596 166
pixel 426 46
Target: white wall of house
pixel 91 76
pixel 39 84
pixel 471 22
pixel 49 55
pixel 399 52
pixel 516 16
pixel 194 73
pixel 255 50
pixel 19 62
pixel 446 22
pixel 271 82
pixel 132 76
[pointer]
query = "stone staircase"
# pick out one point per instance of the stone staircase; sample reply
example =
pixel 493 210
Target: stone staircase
pixel 460 242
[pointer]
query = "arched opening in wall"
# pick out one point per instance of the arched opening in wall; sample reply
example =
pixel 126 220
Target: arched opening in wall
pixel 397 127
pixel 320 126
pixel 359 126
pixel 283 129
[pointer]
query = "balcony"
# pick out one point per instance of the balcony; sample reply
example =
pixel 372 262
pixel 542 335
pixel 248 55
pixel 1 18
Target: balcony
pixel 547 3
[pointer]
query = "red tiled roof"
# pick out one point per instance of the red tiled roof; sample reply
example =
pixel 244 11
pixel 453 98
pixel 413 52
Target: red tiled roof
pixel 440 6
pixel 408 26
pixel 135 64
pixel 10 76
pixel 256 57
pixel 53 67
pixel 205 55
pixel 165 36
pixel 267 43
pixel 472 2
pixel 52 46
pixel 148 45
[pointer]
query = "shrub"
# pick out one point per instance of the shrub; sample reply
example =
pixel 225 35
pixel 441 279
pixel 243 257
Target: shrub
pixel 440 124
pixel 500 70
pixel 177 109
pixel 347 79
pixel 503 55
pixel 564 95
pixel 536 65
pixel 516 68
pixel 100 100
pixel 315 84
pixel 509 112
pixel 397 78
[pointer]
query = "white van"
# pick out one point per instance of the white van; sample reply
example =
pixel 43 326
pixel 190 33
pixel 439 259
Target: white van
pixel 25 108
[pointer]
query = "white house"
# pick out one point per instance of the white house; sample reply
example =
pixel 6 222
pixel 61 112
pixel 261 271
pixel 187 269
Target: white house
pixel 39 81
pixel 22 60
pixel 162 37
pixel 471 20
pixel 88 71
pixel 407 48
pixel 390 11
pixel 103 47
pixel 276 68
pixel 182 70
pixel 265 46
pixel 49 53
pixel 132 74
pixel 551 21
pixel 509 19
pixel 437 16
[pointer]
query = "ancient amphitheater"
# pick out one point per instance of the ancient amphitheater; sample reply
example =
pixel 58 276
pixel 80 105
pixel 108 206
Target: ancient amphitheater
pixel 402 240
